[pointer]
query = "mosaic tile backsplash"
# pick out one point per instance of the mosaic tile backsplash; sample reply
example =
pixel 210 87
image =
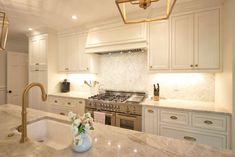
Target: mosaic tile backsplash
pixel 128 72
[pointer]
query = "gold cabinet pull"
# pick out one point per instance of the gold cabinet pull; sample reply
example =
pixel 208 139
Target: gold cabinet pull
pixel 55 101
pixel 150 111
pixel 66 69
pixel 191 65
pixel 196 65
pixel 61 113
pixel 189 138
pixel 208 122
pixel 80 102
pixel 173 117
pixel 69 103
pixel 150 67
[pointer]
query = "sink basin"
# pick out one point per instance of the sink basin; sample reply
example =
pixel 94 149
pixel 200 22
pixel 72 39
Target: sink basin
pixel 54 134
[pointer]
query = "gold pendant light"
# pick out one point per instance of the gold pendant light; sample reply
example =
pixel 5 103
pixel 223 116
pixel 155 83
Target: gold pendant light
pixel 129 7
pixel 3 30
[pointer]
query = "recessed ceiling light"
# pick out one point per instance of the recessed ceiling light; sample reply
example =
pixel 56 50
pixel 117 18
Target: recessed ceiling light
pixel 30 29
pixel 74 17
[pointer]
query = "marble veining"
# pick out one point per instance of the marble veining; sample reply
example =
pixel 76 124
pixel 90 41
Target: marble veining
pixel 107 141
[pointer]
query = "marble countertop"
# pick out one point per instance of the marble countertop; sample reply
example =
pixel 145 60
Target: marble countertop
pixel 107 141
pixel 186 105
pixel 72 94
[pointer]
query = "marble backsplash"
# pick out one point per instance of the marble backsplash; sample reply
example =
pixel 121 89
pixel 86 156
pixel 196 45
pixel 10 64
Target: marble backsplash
pixel 128 72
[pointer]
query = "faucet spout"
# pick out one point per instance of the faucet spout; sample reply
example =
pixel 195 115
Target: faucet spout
pixel 25 95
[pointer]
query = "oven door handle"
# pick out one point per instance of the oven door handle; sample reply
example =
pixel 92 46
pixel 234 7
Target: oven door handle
pixel 126 116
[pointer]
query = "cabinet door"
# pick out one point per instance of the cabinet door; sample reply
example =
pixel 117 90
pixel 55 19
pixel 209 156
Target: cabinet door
pixel 38 50
pixel 159 46
pixel 83 57
pixel 149 120
pixel 68 53
pixel 207 40
pixel 35 100
pixel 182 29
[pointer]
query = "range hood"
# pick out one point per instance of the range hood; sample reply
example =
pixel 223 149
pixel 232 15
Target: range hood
pixel 117 38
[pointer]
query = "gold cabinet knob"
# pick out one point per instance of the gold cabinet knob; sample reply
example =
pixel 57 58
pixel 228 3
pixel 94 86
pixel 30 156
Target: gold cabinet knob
pixel 196 65
pixel 173 117
pixel 191 65
pixel 150 67
pixel 150 111
pixel 189 138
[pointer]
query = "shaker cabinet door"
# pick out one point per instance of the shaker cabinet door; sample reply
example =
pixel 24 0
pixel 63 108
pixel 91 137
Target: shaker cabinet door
pixel 182 38
pixel 159 46
pixel 207 40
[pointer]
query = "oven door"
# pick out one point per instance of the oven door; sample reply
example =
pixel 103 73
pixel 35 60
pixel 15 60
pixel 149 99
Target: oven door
pixel 127 121
pixel 110 118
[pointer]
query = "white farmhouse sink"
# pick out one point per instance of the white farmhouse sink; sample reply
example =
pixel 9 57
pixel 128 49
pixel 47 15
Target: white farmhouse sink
pixel 54 134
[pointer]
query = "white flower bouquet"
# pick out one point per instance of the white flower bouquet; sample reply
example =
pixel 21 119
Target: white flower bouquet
pixel 80 126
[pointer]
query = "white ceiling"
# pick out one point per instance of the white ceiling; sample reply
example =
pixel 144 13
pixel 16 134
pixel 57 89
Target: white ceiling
pixel 54 14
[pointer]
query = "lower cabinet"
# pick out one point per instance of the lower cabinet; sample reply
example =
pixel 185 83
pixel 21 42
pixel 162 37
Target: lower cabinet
pixel 195 126
pixel 217 140
pixel 63 106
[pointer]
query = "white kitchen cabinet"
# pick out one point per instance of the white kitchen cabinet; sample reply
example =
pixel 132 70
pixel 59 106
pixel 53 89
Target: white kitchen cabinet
pixel 195 41
pixel 217 140
pixel 207 40
pixel 35 100
pixel 158 57
pixel 68 53
pixel 84 58
pixel 182 38
pixel 62 105
pixel 38 50
pixel 72 56
pixel 150 120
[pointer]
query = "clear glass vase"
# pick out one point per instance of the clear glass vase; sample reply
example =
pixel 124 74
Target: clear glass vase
pixel 85 145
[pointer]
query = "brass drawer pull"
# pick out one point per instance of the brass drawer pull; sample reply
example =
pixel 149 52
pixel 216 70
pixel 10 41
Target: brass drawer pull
pixel 55 101
pixel 61 113
pixel 189 138
pixel 208 122
pixel 150 111
pixel 69 103
pixel 191 66
pixel 173 117
pixel 36 63
pixel 80 102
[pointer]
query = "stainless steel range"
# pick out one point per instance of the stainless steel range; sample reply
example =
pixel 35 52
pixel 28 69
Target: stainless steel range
pixel 121 109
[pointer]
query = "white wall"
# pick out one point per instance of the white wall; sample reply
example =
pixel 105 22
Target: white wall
pixel 17 45
pixel 224 81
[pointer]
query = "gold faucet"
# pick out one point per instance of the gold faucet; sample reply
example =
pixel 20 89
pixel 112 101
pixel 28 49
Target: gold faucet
pixel 25 95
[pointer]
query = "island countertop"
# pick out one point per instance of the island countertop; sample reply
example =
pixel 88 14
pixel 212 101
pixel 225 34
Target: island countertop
pixel 107 141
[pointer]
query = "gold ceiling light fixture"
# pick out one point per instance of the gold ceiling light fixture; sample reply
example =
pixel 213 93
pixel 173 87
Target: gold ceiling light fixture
pixel 3 30
pixel 144 5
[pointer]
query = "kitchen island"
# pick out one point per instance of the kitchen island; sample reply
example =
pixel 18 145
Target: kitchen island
pixel 107 141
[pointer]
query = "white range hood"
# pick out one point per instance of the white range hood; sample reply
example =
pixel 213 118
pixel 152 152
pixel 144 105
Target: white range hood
pixel 118 37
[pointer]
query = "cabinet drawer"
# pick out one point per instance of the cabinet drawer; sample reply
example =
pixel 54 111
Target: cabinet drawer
pixel 209 121
pixel 216 140
pixel 69 102
pixel 174 117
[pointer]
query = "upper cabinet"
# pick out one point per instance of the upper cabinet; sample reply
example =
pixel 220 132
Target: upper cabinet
pixel 72 57
pixel 158 58
pixel 116 37
pixel 193 41
pixel 207 40
pixel 68 53
pixel 182 42
pixel 38 50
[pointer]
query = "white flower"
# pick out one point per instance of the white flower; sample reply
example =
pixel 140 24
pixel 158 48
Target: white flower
pixel 76 122
pixel 72 116
pixel 77 140
pixel 75 131
pixel 87 115
pixel 87 128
